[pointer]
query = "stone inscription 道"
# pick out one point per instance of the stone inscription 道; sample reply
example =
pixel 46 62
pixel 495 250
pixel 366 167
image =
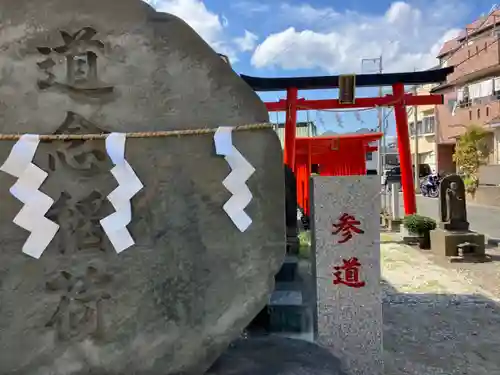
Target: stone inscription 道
pixel 348 273
pixel 79 52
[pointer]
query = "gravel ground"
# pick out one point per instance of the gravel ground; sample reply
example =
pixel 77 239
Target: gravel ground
pixel 439 319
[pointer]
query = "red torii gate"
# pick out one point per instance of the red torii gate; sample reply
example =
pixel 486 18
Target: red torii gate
pixel 338 155
pixel 399 100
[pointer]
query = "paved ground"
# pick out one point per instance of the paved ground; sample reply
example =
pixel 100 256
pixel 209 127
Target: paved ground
pixel 437 319
pixel 482 219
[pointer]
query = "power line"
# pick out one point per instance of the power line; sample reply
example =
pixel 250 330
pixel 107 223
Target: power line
pixel 477 28
pixel 475 54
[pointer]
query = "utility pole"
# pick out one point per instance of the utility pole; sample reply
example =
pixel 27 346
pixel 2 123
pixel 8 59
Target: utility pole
pixel 380 127
pixel 382 148
pixel 416 169
pixel 384 139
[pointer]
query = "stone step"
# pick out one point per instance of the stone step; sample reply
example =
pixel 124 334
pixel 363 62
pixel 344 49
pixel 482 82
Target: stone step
pixel 289 318
pixel 287 311
pixel 288 271
pixel 304 336
pixel 295 285
pixel 286 297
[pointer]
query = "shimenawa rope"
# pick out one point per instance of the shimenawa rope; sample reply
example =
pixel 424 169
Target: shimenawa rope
pixel 156 134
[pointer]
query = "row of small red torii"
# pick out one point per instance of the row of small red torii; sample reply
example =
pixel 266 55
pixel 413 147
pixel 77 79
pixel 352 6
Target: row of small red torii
pixel 342 155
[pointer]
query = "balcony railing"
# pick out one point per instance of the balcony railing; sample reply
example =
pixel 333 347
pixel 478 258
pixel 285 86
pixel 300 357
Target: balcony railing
pixel 466 103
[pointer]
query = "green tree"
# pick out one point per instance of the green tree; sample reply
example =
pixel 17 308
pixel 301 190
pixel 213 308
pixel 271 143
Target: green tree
pixel 471 152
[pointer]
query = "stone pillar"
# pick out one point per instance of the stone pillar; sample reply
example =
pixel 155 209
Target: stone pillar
pixel 395 201
pixel 346 234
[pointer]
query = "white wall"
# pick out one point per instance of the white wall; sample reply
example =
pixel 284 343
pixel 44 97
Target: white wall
pixel 496 146
pixel 428 158
pixel 372 164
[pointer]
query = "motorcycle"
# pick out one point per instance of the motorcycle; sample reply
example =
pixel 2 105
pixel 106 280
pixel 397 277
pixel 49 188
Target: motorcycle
pixel 429 186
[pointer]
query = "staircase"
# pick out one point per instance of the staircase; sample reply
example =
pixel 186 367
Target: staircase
pixel 289 310
pixel 290 307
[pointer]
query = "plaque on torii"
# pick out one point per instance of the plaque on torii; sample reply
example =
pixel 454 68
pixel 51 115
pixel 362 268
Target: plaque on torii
pixel 347 89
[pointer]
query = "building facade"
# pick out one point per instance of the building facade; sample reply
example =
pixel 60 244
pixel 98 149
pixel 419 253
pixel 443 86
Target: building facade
pixel 303 129
pixel 423 136
pixel 472 92
pixel 372 160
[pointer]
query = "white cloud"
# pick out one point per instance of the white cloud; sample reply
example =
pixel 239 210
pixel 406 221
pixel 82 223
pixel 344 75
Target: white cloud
pixel 194 12
pixel 247 42
pixel 209 25
pixel 408 37
pixel 305 13
pixel 250 7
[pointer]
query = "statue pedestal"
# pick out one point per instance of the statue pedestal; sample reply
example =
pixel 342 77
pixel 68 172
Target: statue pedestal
pixel 455 226
pixel 445 242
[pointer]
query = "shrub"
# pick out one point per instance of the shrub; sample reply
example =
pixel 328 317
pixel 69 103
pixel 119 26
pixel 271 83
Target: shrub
pixel 471 152
pixel 419 224
pixel 305 244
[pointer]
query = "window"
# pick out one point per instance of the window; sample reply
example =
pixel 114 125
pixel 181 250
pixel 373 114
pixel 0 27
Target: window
pixel 478 113
pixel 487 111
pixel 369 156
pixel 463 97
pixel 477 50
pixel 485 46
pixel 470 115
pixel 496 87
pixel 479 92
pixel 420 127
pixel 428 125
pixel 468 53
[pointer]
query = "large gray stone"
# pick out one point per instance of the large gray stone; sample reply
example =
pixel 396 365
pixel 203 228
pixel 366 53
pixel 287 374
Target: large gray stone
pixel 172 303
pixel 276 356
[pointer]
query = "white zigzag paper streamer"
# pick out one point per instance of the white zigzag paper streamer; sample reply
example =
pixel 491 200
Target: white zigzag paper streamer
pixel 36 204
pixel 235 182
pixel 115 225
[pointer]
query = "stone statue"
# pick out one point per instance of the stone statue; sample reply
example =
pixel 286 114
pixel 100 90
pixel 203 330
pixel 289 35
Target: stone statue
pixel 453 209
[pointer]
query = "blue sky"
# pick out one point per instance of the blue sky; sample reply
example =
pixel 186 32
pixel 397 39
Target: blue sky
pixel 318 37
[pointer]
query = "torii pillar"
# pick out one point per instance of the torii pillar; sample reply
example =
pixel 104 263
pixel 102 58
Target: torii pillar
pixel 410 202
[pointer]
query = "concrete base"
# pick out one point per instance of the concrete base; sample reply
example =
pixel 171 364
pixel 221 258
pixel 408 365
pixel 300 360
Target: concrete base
pixel 384 220
pixel 408 237
pixel 472 258
pixel 394 225
pixel 445 242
